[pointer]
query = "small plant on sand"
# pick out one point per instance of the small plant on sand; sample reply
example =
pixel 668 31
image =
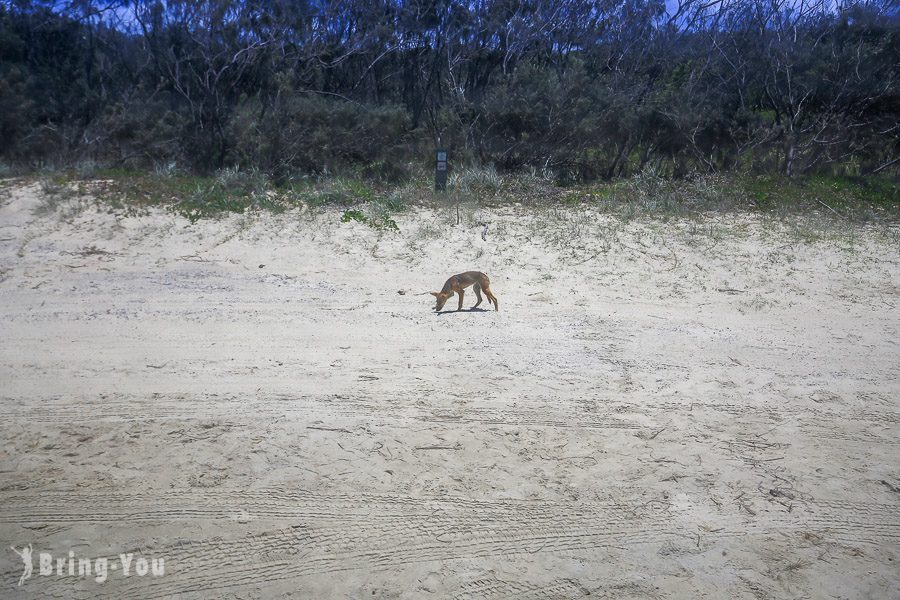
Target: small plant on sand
pixel 339 191
pixel 57 194
pixel 231 190
pixel 354 215
pixel 380 219
pixel 482 182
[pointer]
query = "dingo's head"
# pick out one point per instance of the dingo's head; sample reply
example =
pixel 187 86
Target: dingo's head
pixel 441 299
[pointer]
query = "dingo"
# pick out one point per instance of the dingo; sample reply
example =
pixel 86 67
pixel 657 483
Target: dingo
pixel 458 283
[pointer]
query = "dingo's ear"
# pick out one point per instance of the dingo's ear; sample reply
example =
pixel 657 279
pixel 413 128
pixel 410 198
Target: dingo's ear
pixel 435 294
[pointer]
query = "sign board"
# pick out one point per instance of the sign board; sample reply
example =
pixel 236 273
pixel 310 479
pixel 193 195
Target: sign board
pixel 440 171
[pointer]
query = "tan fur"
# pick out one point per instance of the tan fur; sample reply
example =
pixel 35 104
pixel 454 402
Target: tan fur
pixel 456 285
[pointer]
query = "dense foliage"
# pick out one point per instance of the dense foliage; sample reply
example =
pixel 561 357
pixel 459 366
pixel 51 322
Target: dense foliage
pixel 578 88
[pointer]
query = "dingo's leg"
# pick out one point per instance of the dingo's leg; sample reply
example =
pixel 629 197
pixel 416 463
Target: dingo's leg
pixel 477 289
pixel 461 293
pixel 491 298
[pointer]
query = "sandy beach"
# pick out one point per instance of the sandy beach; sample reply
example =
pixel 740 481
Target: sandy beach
pixel 701 408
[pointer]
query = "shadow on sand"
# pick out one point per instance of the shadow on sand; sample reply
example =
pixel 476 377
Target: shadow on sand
pixel 465 310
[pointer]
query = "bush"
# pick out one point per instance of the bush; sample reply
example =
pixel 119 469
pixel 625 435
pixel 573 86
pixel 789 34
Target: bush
pixel 309 135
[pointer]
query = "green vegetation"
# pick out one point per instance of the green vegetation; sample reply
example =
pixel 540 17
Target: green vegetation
pixel 201 197
pixel 382 221
pixel 859 200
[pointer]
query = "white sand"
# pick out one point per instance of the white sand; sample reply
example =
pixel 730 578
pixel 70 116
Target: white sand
pixel 684 410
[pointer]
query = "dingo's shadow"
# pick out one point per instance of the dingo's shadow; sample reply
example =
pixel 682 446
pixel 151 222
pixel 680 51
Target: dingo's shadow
pixel 465 310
